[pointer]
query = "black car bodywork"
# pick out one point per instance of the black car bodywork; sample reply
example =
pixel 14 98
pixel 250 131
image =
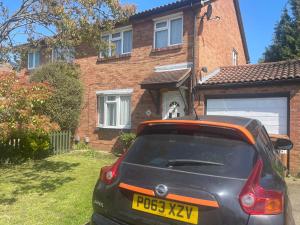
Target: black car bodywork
pixel 224 169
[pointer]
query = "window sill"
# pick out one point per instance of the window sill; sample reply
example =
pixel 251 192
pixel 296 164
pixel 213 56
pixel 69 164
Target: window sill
pixel 113 128
pixel 174 47
pixel 111 58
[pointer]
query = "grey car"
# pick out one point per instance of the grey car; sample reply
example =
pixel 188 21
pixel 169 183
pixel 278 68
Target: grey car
pixel 208 171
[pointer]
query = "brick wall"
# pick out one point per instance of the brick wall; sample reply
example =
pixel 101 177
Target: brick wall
pixel 294 92
pixel 129 71
pixel 218 38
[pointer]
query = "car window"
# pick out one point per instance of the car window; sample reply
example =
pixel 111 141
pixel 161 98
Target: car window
pixel 229 157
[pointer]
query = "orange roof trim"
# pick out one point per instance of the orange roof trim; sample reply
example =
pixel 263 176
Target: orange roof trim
pixel 246 133
pixel 170 196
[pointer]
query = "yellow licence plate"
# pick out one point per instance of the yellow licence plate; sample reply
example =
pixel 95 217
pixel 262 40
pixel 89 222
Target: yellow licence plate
pixel 173 210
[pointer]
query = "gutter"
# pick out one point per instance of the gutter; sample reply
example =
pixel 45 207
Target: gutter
pixel 248 84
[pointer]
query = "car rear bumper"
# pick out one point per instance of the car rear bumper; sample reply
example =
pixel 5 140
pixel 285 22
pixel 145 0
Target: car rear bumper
pixel 269 220
pixel 98 219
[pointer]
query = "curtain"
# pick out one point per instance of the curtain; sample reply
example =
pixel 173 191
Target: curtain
pixel 161 39
pixel 125 114
pixel 127 42
pixel 105 51
pixel 37 59
pixel 30 60
pixel 101 110
pixel 117 47
pixel 111 114
pixel 176 31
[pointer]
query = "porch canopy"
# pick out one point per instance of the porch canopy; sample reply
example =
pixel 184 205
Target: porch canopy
pixel 166 79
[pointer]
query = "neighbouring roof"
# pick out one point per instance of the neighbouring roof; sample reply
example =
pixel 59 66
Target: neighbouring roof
pixel 254 74
pixel 173 78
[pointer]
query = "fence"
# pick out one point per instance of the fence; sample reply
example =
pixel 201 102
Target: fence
pixel 61 142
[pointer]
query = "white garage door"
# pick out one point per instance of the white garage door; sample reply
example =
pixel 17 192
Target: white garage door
pixel 272 112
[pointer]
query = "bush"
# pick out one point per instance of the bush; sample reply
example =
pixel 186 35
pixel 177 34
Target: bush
pixel 65 104
pixel 23 130
pixel 23 146
pixel 127 139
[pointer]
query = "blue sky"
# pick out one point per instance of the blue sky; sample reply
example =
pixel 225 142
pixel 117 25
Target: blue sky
pixel 259 17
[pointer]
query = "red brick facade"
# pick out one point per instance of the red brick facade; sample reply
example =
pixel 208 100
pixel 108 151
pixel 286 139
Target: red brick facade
pixel 294 112
pixel 214 49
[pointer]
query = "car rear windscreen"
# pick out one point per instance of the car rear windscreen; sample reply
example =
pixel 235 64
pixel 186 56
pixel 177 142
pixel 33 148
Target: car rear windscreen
pixel 197 153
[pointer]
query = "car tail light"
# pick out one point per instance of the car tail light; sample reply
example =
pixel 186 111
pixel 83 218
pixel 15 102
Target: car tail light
pixel 109 173
pixel 255 200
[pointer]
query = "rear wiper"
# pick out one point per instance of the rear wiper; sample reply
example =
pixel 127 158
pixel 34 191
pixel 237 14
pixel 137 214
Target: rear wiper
pixel 191 162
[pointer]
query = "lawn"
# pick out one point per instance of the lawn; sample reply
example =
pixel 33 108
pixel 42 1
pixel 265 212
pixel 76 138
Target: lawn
pixel 57 190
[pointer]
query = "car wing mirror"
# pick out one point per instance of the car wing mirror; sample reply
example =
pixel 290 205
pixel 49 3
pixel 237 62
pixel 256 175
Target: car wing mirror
pixel 283 144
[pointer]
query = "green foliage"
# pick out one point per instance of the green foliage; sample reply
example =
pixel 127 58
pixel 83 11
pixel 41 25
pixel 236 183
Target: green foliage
pixel 23 146
pixel 81 146
pixel 64 106
pixel 286 41
pixel 127 139
pixel 23 129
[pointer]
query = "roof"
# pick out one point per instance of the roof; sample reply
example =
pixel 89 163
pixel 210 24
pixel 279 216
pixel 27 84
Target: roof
pixel 247 127
pixel 160 9
pixel 172 78
pixel 283 71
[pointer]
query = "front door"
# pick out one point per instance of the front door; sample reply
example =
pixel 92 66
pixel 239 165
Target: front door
pixel 173 105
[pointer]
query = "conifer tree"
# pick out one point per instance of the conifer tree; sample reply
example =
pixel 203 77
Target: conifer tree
pixel 284 43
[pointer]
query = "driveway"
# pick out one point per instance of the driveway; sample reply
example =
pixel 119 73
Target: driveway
pixel 294 193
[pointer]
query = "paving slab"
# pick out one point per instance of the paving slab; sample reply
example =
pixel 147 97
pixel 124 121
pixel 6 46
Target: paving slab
pixel 294 193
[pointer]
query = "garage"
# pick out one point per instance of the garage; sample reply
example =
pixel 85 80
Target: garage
pixel 268 92
pixel 271 111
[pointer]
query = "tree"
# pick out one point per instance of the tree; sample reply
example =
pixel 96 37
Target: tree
pixel 284 41
pixel 20 120
pixel 71 22
pixel 295 6
pixel 65 104
pixel 18 107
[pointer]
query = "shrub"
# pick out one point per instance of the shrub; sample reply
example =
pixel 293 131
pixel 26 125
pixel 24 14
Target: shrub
pixel 23 130
pixel 65 104
pixel 127 139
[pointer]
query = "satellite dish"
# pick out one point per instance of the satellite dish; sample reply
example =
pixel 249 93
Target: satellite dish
pixel 209 12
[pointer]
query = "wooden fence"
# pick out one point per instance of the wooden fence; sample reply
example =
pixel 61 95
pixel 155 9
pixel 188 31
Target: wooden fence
pixel 61 142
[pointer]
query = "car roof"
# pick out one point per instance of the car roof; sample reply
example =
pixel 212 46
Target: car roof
pixel 246 126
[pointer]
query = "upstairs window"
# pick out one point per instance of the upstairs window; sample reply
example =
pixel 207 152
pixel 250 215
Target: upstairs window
pixel 235 57
pixel 168 32
pixel 114 109
pixel 33 59
pixel 118 43
pixel 63 54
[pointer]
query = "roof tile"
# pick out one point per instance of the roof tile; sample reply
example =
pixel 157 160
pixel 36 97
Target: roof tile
pixel 284 70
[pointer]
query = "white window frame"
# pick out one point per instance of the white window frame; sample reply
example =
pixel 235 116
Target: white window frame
pixel 34 56
pixel 118 94
pixel 70 51
pixel 111 39
pixel 235 57
pixel 168 20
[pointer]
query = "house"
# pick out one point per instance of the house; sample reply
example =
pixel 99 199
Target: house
pixel 155 63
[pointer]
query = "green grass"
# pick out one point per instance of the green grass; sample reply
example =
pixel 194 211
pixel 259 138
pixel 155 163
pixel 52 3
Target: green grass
pixel 57 190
